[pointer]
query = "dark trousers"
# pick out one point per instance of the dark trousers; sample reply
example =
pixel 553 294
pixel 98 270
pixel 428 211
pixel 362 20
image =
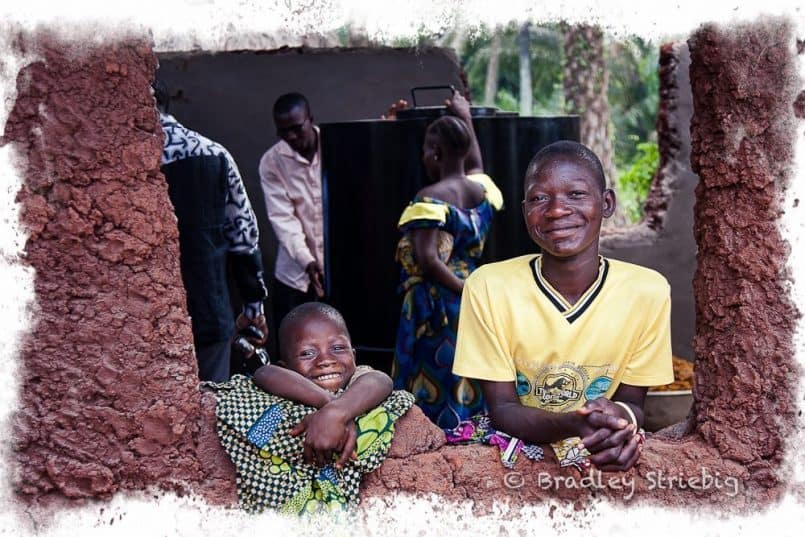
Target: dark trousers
pixel 197 187
pixel 213 361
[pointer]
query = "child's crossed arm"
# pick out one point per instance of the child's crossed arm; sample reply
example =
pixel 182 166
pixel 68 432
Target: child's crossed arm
pixel 331 429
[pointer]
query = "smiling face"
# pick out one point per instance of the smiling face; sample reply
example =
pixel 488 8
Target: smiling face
pixel 563 207
pixel 318 348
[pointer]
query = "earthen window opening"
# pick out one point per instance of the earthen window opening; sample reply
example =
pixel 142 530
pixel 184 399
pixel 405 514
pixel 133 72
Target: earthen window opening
pixel 108 396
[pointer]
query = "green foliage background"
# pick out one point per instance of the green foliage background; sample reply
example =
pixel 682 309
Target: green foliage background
pixel 635 182
pixel 546 68
pixel 633 95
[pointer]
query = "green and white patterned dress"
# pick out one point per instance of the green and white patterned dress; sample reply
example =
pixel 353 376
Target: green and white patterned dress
pixel 253 426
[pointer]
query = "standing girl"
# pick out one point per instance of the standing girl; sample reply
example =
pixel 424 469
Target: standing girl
pixel 444 229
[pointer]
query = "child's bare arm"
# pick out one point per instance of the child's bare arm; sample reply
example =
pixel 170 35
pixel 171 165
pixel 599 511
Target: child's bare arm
pixel 291 385
pixel 365 393
pixel 459 106
pixel 331 429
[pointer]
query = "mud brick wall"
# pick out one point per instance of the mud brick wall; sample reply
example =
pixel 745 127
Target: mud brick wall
pixel 109 394
pixel 674 110
pixel 744 85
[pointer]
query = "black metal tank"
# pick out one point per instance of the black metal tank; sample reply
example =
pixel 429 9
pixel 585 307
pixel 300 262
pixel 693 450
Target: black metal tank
pixel 371 169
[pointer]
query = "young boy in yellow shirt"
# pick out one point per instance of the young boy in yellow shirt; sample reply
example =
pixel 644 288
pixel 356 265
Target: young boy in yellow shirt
pixel 566 342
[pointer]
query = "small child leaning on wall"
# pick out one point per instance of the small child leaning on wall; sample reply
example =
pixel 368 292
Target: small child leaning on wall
pixel 302 434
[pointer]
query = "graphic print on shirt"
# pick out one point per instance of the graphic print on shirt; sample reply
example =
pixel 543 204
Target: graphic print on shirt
pixel 563 387
pixel 240 228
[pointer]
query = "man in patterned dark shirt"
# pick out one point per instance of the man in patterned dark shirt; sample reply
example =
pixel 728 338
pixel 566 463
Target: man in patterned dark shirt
pixel 216 225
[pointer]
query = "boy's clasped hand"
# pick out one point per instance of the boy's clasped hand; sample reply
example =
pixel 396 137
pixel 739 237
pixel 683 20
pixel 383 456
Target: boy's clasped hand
pixel 612 440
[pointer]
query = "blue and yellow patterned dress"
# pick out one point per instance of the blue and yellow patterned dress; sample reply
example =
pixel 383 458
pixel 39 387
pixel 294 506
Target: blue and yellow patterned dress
pixel 426 337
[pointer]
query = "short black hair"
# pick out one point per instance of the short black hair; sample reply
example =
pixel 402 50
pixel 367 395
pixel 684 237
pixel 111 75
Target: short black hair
pixel 571 151
pixel 301 313
pixel 161 94
pixel 287 102
pixel 453 134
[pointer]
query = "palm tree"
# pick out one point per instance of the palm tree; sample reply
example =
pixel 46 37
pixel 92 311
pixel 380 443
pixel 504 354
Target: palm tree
pixel 492 60
pixel 586 82
pixel 492 69
pixel 526 90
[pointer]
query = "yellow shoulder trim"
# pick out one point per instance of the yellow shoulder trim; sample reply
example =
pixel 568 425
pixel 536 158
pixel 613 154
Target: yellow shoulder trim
pixel 423 210
pixel 493 193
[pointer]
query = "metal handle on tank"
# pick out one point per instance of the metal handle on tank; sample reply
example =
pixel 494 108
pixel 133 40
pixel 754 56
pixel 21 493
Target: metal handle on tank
pixel 414 90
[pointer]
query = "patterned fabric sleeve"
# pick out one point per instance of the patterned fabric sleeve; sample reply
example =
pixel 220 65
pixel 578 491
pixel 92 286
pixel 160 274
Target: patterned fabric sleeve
pixel 493 193
pixel 240 227
pixel 423 214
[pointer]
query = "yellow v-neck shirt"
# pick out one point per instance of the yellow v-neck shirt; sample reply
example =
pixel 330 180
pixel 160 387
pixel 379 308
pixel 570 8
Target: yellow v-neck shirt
pixel 514 326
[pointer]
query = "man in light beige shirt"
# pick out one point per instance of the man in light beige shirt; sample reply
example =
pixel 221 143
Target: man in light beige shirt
pixel 290 175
